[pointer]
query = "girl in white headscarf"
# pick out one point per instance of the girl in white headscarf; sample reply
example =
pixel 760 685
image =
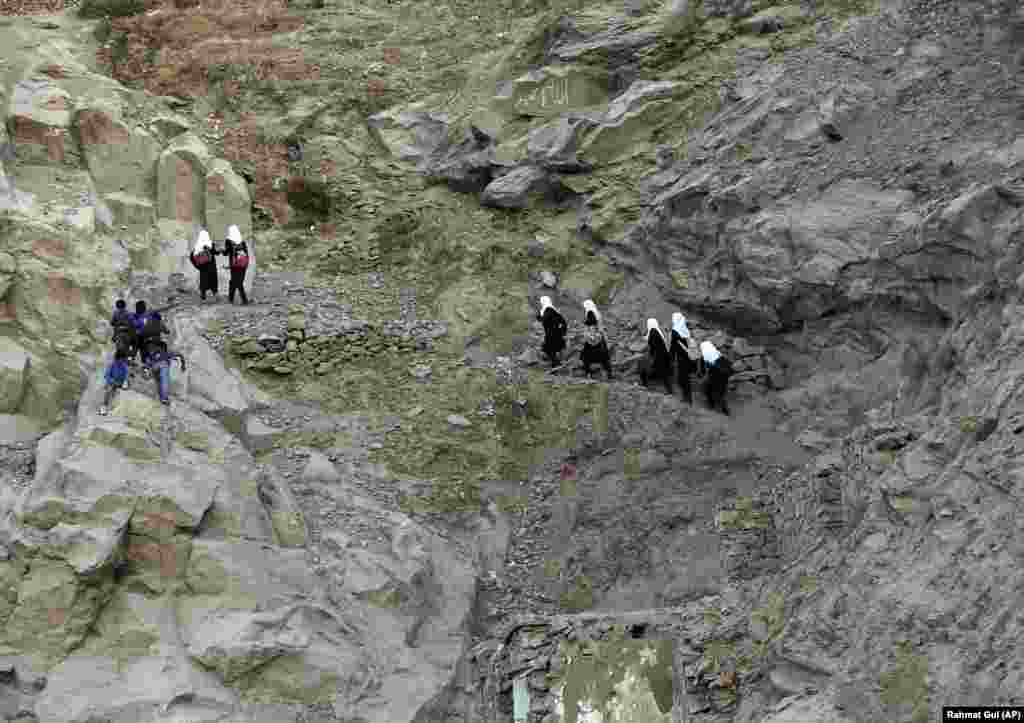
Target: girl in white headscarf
pixel 679 346
pixel 718 369
pixel 238 262
pixel 595 344
pixel 555 327
pixel 202 258
pixel 658 363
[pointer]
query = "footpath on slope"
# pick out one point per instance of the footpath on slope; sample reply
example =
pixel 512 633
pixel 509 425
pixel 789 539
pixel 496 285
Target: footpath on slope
pixel 524 538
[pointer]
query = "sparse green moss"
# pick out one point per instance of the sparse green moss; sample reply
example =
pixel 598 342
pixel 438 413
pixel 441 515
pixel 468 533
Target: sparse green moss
pixel 772 616
pixel 196 441
pixel 681 279
pixel 384 598
pixel 887 456
pixel 512 504
pixel 712 616
pixel 631 463
pixel 580 597
pixel 906 684
pixel 599 672
pixel 717 652
pixel 445 496
pixel 552 568
pixel 808 584
pixel 744 517
pixel 968 425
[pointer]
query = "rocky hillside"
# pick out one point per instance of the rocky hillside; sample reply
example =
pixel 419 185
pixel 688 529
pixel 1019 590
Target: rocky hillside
pixel 369 502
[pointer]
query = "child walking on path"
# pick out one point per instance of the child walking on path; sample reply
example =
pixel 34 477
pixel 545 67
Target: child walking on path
pixel 116 377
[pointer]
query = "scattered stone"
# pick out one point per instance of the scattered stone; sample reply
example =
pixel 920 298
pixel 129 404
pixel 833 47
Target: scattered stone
pixel 457 420
pixel 421 371
pixel 549 279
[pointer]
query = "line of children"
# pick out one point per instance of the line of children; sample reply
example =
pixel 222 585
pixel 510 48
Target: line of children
pixel 662 354
pixel 203 258
pixel 139 334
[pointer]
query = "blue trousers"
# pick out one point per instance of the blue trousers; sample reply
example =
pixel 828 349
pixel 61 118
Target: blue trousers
pixel 162 372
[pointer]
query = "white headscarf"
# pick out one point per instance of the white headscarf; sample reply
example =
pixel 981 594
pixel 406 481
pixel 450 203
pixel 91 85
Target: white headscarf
pixel 652 323
pixel 203 241
pixel 679 325
pixel 709 352
pixel 545 303
pixel 589 305
pixel 234 235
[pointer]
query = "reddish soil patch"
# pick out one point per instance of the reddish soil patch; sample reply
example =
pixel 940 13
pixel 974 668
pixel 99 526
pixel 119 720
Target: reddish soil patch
pixel 163 556
pixel 185 179
pixel 97 127
pixel 49 247
pixel 54 71
pixel 30 7
pixel 222 33
pixel 215 184
pixel 56 616
pixel 63 291
pixel 57 102
pixel 26 130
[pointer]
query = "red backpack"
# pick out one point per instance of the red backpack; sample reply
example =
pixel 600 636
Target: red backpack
pixel 202 258
pixel 240 261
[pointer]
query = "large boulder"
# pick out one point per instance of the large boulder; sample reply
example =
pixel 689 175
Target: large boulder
pixel 552 91
pixel 120 158
pixel 524 186
pixel 411 133
pixel 630 121
pixel 212 387
pixel 136 213
pixel 14 364
pixel 181 179
pixel 39 116
pixel 554 146
pixel 227 202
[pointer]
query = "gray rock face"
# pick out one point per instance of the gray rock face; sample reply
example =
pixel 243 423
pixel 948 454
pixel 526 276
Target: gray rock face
pixel 522 187
pixel 14 364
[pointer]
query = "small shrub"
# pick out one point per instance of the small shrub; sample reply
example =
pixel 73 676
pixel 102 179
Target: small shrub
pixel 906 684
pixel 102 30
pixel 887 456
pixel 310 196
pixel 968 425
pixel 93 9
pixel 712 616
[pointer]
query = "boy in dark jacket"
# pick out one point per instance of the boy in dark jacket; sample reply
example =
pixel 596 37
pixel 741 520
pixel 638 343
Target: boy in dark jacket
pixel 238 262
pixel 116 376
pixel 123 325
pixel 160 358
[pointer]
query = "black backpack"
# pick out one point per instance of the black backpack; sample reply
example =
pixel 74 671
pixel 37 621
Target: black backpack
pixel 725 367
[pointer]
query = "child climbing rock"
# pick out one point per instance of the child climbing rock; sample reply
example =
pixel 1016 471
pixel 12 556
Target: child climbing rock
pixel 554 329
pixel 160 362
pixel 202 258
pixel 123 324
pixel 595 343
pixel 658 363
pixel 116 377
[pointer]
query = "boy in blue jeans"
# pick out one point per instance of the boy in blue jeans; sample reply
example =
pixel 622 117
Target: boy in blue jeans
pixel 116 376
pixel 159 360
